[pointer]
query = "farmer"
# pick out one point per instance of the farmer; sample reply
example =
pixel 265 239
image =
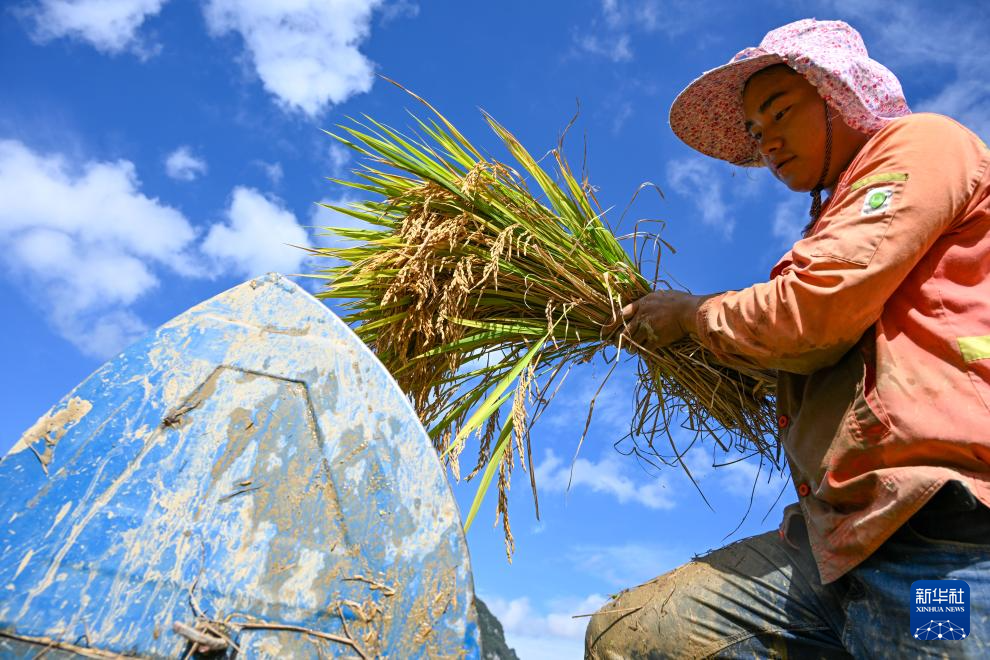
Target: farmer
pixel 878 324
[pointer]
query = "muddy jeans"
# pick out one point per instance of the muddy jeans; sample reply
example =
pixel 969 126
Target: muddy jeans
pixel 762 598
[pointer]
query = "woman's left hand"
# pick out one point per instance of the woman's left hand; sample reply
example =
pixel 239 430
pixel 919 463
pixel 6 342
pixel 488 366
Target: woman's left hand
pixel 661 318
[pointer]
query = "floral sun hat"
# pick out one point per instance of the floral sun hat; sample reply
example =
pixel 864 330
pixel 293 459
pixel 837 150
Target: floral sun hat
pixel 708 114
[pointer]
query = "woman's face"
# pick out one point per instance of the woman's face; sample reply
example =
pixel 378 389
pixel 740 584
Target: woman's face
pixel 786 117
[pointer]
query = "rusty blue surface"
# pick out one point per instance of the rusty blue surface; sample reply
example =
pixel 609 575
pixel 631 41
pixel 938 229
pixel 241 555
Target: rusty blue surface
pixel 249 461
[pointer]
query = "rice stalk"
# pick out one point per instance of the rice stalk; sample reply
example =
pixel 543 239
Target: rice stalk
pixel 479 284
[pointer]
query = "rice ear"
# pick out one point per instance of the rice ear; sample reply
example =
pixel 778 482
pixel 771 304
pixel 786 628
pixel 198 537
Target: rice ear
pixel 475 292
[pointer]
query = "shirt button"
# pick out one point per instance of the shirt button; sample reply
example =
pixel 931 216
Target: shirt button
pixel 783 421
pixel 803 490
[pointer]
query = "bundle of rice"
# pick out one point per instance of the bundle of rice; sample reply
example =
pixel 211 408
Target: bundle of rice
pixel 479 295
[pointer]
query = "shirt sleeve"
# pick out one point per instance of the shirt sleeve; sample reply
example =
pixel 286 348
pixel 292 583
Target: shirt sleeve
pixel 903 190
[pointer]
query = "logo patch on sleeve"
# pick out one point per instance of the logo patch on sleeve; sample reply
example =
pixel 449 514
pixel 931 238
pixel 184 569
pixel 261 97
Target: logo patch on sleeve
pixel 877 200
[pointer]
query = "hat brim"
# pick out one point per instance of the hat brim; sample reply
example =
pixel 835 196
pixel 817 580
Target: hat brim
pixel 708 115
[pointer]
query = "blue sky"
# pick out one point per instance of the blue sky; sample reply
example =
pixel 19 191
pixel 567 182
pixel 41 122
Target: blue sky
pixel 155 153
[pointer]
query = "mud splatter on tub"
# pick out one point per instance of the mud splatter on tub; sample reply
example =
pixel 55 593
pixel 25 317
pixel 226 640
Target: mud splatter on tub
pixel 51 428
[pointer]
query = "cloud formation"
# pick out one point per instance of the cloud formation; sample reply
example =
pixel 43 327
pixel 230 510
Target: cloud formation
pixel 84 241
pixel 609 35
pixel 612 47
pixel 613 404
pixel 258 236
pixel 745 478
pixel 549 632
pixel 306 52
pixel 925 40
pixel 109 26
pixel 397 9
pixel 724 474
pixel 87 244
pixel 339 157
pixel 626 564
pixel 609 475
pixel 789 218
pixel 697 178
pixel 182 165
pixel 273 171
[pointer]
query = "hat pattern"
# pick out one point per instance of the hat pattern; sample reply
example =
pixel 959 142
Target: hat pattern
pixel 708 114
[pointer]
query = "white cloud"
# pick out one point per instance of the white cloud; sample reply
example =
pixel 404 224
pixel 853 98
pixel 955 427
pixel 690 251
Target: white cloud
pixel 919 33
pixel 967 100
pixel 181 164
pixel 751 183
pixel 725 474
pixel 947 48
pixel 535 635
pixel 650 16
pixel 399 9
pixel 700 461
pixel 742 478
pixel 611 13
pixel 273 171
pixel 339 157
pixel 110 332
pixel 305 51
pixel 613 404
pixel 609 475
pixel 698 179
pixel 627 564
pixel 746 479
pixel 789 219
pixel 111 26
pixel 258 236
pixel 623 111
pixel 615 48
pixel 83 241
pixel 87 244
pixel 610 34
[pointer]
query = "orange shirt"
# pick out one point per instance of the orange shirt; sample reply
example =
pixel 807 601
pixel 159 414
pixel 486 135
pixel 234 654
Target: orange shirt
pixel 878 323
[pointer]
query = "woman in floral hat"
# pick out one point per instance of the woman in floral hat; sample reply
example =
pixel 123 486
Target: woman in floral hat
pixel 878 324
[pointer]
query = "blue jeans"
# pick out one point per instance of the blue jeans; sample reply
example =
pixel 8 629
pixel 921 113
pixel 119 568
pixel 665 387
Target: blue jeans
pixel 762 598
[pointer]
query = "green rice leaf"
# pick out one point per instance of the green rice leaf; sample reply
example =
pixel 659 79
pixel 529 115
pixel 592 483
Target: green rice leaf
pixel 486 478
pixel 477 282
pixel 491 404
